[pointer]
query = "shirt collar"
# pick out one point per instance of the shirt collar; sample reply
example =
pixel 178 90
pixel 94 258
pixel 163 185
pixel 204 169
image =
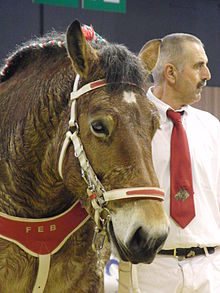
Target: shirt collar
pixel 162 107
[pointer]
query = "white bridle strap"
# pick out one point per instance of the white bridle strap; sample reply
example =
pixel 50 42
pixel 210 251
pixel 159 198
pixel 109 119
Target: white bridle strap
pixel 63 152
pixel 75 94
pixel 135 192
pixel 87 88
pixel 42 275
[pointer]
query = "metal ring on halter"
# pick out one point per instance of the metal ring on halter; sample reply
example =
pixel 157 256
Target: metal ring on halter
pixel 73 126
pixel 104 217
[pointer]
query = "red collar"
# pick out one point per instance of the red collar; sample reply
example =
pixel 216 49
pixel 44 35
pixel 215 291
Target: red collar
pixel 43 236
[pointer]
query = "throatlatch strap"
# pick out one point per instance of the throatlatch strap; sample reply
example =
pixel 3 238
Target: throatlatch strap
pixel 42 274
pixel 128 280
pixel 134 279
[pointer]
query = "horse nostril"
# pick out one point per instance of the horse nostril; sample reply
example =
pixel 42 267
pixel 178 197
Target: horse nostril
pixel 138 241
pixel 142 242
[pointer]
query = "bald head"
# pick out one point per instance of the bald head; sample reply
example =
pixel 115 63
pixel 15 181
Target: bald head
pixel 173 50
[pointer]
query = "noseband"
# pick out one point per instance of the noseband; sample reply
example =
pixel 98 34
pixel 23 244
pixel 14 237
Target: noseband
pixel 95 190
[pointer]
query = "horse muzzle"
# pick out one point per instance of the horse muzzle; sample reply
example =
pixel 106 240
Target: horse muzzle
pixel 141 246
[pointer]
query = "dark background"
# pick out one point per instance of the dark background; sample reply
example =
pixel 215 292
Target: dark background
pixel 144 20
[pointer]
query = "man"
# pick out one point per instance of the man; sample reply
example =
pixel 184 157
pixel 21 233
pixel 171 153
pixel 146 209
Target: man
pixel 179 76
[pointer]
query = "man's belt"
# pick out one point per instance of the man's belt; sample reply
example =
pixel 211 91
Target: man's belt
pixel 188 252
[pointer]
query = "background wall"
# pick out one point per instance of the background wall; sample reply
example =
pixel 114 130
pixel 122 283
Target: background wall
pixel 144 20
pixel 210 101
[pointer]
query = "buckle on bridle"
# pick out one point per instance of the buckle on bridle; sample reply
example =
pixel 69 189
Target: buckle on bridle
pixel 98 240
pixel 101 229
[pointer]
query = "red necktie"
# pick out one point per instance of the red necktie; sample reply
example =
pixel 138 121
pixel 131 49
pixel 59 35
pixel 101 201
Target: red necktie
pixel 182 208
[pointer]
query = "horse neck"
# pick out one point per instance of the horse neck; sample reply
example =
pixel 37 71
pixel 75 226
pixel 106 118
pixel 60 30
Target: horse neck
pixel 29 181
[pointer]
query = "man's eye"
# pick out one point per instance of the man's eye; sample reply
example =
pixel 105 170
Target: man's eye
pixel 199 65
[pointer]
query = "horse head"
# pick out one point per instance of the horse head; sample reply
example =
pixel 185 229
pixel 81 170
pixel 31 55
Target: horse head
pixel 111 127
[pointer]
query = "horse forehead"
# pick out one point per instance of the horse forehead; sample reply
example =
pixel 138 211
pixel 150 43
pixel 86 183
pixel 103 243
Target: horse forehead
pixel 129 97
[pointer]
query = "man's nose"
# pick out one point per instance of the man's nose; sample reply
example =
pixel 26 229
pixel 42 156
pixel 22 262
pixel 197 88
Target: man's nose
pixel 206 75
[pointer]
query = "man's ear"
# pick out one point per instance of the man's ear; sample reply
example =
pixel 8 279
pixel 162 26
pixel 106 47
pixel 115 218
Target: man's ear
pixel 170 73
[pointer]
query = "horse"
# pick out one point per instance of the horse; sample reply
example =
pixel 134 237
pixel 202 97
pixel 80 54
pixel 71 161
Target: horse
pixel 75 162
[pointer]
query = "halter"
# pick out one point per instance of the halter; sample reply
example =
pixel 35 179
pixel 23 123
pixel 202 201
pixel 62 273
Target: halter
pixel 96 192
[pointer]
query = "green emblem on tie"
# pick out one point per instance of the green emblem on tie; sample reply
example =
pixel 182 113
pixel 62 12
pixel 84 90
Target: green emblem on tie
pixel 182 195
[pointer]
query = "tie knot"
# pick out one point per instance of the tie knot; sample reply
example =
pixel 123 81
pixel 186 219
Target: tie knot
pixel 174 116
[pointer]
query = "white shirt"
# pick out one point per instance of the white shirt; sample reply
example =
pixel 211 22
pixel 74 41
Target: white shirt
pixel 203 133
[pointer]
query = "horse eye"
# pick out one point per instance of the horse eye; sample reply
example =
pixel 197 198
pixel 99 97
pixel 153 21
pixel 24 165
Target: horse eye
pixel 99 128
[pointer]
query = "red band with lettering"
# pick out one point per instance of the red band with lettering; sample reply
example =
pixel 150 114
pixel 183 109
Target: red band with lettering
pixel 42 236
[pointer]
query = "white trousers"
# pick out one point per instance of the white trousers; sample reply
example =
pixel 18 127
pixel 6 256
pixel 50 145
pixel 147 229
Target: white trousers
pixel 167 274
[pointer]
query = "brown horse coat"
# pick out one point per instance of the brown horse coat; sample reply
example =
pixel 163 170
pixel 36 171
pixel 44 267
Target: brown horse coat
pixel 116 127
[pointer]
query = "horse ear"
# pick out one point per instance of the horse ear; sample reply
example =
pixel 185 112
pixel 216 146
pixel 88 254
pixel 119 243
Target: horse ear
pixel 79 50
pixel 149 54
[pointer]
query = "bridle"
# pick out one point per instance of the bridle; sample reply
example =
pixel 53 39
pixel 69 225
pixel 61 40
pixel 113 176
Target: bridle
pixel 96 192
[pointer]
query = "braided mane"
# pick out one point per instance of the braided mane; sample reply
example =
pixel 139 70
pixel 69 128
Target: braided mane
pixel 52 40
pixel 119 64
